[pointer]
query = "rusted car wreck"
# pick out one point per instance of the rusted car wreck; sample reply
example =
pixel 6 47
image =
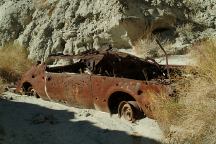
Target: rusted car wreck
pixel 108 81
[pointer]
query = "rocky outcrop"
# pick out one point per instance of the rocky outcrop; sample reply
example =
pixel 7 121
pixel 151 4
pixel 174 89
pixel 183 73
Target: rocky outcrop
pixel 53 26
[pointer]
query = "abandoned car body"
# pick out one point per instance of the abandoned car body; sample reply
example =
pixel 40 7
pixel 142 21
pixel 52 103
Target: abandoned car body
pixel 109 81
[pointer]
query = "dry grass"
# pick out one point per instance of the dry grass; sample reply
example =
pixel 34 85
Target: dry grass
pixel 149 48
pixel 1 86
pixel 146 48
pixel 13 63
pixel 188 27
pixel 186 30
pixel 166 110
pixel 192 119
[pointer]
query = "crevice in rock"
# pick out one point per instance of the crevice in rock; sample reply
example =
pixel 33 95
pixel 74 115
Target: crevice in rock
pixel 165 33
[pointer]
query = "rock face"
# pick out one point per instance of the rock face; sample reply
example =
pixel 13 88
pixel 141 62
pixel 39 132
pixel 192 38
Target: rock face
pixel 52 26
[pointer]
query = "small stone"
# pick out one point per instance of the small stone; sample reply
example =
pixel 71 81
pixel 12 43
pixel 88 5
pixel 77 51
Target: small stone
pixel 87 114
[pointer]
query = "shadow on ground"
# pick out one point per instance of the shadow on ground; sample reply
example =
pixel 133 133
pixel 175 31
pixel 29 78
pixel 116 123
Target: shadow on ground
pixel 22 123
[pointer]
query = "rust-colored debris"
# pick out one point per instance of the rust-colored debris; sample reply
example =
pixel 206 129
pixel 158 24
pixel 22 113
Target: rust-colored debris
pixel 109 81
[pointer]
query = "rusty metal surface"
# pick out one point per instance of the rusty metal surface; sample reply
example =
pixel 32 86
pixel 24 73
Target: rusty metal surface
pixel 71 89
pixel 36 77
pixel 104 87
pixel 113 77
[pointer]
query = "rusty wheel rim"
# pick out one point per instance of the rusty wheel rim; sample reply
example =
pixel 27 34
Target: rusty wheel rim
pixel 27 91
pixel 127 112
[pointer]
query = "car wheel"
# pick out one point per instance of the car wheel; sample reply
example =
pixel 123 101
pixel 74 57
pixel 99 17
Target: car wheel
pixel 129 110
pixel 30 92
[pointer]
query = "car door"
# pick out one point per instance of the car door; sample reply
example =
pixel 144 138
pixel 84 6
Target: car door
pixel 72 89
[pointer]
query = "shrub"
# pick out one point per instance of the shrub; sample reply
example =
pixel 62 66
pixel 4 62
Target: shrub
pixel 186 30
pixel 165 110
pixel 13 62
pixel 1 86
pixel 146 48
pixel 192 119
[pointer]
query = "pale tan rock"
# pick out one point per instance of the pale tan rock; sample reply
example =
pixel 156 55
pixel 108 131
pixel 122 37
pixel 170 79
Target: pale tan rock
pixel 47 26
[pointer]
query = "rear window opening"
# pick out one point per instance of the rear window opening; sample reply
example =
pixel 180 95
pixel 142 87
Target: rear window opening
pixel 72 68
pixel 112 65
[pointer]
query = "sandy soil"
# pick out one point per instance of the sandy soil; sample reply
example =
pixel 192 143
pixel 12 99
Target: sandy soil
pixel 177 60
pixel 28 120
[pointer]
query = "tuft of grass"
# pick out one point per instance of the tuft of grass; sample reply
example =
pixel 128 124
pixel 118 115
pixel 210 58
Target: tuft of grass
pixel 13 62
pixel 1 86
pixel 186 30
pixel 205 55
pixel 192 118
pixel 166 110
pixel 146 48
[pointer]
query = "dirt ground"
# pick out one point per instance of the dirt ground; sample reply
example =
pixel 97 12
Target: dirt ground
pixel 28 120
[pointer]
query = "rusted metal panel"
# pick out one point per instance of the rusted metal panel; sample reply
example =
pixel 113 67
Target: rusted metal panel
pixel 36 77
pixel 54 86
pixel 80 87
pixel 104 87
pixel 72 89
